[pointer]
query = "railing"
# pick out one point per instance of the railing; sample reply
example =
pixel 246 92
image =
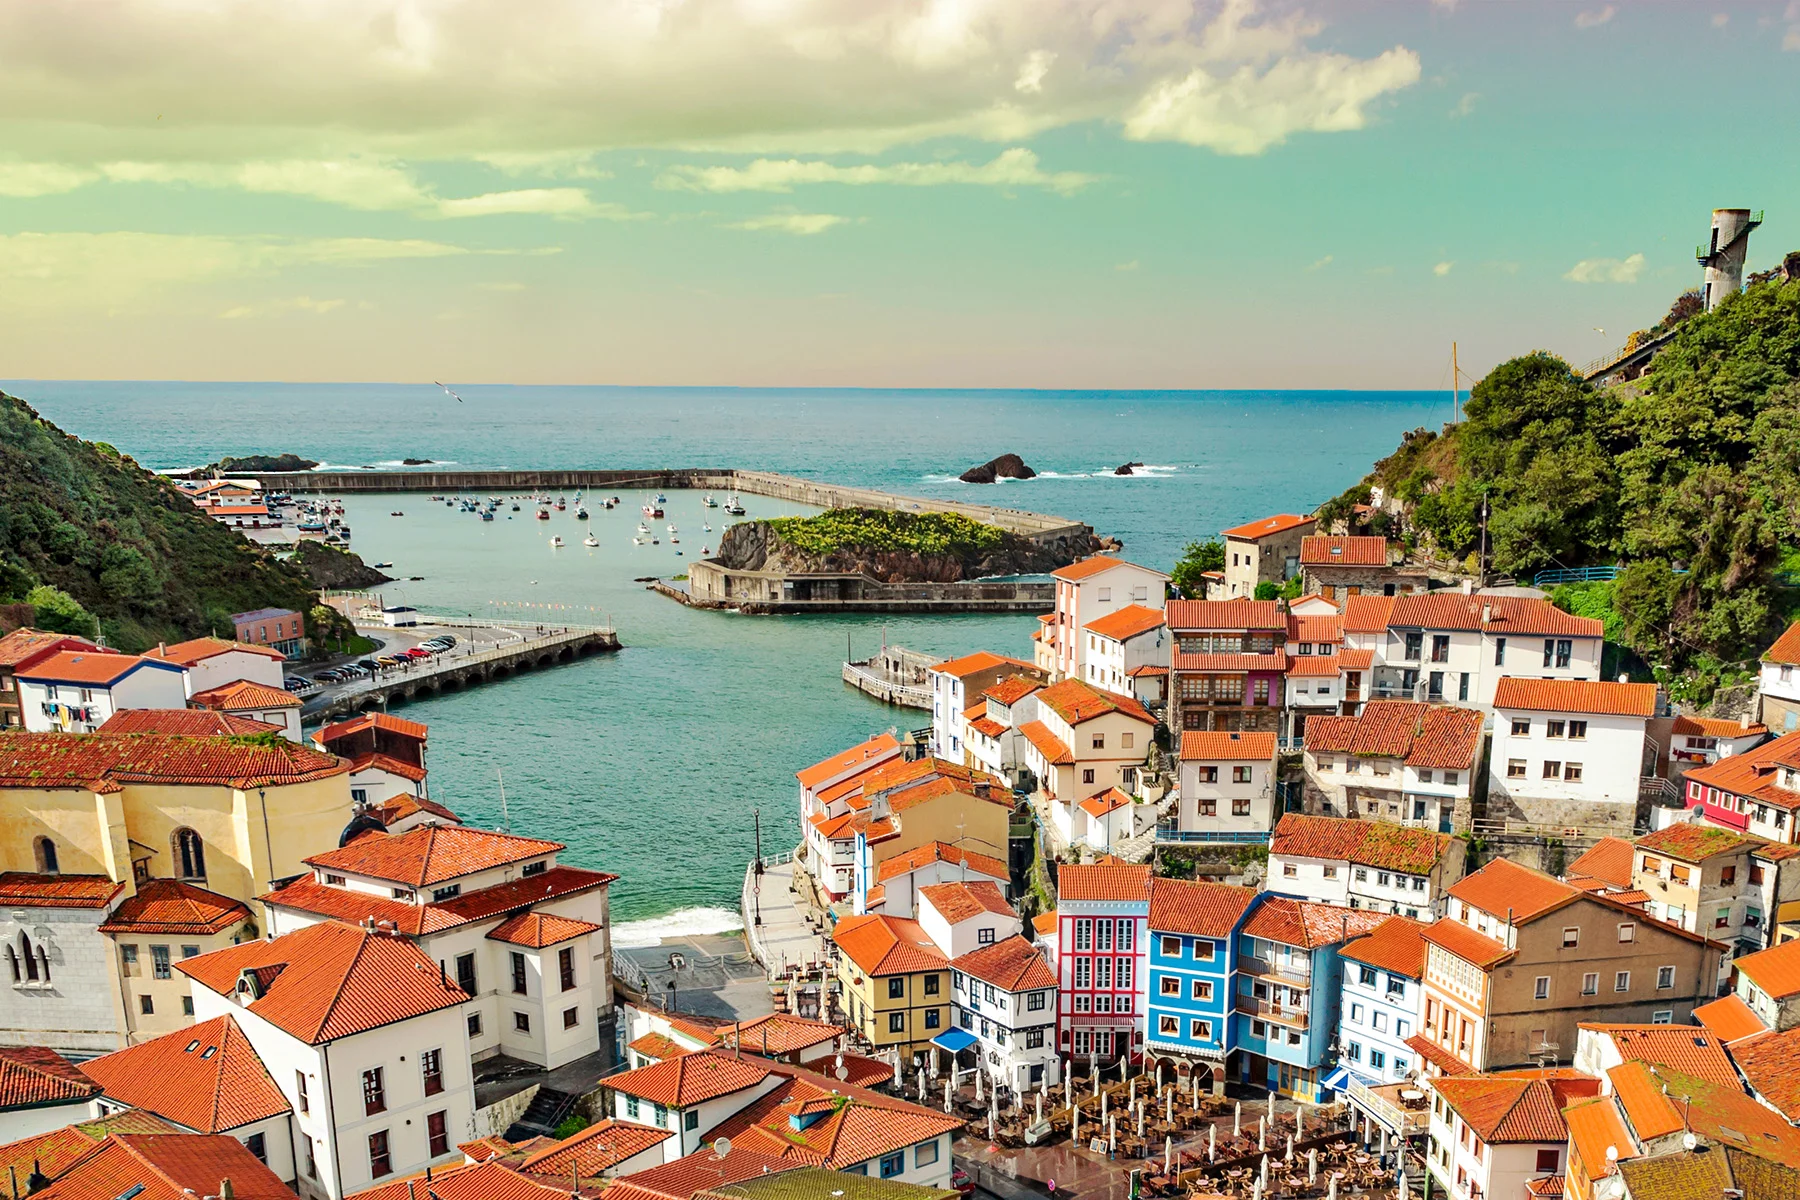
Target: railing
pixel 631 975
pixel 1290 745
pixel 1263 968
pixel 1219 836
pixel 1404 1121
pixel 1658 790
pixel 1575 575
pixel 1496 828
pixel 1284 1013
pixel 901 692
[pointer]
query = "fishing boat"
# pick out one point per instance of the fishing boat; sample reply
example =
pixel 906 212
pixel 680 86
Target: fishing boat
pixel 655 542
pixel 709 501
pixel 607 504
pixel 706 549
pixel 673 540
pixel 561 504
pixel 661 499
pixel 706 527
pixel 590 541
pixel 612 502
pixel 637 541
pixel 311 527
pixel 734 508
pixel 581 513
pixel 515 508
pixel 653 510
pixel 382 566
pixel 672 528
pixel 396 514
pixel 643 528
pixel 556 543
pixel 487 514
pixel 543 514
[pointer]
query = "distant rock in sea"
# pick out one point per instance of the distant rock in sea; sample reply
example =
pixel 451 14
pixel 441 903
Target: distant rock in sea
pixel 263 462
pixel 1126 468
pixel 425 462
pixel 1007 466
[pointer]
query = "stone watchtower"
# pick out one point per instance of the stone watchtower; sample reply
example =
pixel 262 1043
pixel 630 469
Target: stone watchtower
pixel 1723 257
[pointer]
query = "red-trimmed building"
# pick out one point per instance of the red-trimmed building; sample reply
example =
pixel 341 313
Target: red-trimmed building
pixel 1103 911
pixel 1757 792
pixel 75 691
pixel 24 648
pixel 1227 664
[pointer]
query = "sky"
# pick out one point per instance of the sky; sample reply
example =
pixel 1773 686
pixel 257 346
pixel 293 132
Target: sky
pixel 935 193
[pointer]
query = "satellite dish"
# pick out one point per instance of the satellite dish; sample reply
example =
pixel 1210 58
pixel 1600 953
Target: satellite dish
pixel 721 1147
pixel 1689 1141
pixel 842 1071
pixel 1612 1154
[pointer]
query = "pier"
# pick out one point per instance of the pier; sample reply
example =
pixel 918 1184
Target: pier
pixel 894 676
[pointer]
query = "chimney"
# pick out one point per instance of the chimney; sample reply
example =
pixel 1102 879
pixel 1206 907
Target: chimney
pixel 1744 721
pixel 1487 613
pixel 225 1192
pixel 1468 587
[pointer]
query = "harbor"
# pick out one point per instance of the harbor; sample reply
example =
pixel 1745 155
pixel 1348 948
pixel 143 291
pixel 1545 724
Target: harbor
pixel 894 676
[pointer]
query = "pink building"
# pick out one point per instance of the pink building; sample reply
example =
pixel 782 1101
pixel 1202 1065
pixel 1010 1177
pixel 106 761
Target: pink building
pixel 280 628
pixel 1102 912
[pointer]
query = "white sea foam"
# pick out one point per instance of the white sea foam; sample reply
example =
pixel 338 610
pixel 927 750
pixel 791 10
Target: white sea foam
pixel 437 462
pixel 680 923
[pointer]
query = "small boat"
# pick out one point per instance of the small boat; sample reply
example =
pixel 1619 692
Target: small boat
pixel 487 515
pixel 706 527
pixel 382 566
pixel 561 505
pixel 733 507
pixel 643 528
pixel 590 541
pixel 515 508
pixel 581 513
pixel 637 541
pixel 661 499
pixel 606 504
pixel 396 514
pixel 655 542
pixel 556 543
pixel 543 514
pixel 709 501
pixel 672 528
pixel 653 510
pixel 706 549
pixel 673 540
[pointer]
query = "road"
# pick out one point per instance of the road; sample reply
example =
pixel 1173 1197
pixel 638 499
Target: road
pixel 470 640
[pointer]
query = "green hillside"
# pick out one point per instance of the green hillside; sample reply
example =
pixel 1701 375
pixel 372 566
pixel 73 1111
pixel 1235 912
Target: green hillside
pixel 1688 479
pixel 89 536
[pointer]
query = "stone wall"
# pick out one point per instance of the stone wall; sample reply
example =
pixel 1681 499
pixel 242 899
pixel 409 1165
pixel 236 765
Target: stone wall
pixel 78 1012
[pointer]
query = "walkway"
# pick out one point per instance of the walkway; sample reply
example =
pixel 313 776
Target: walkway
pixel 775 919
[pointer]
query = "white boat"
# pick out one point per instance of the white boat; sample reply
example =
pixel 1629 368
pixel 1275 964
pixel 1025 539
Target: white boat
pixel 590 541
pixel 706 527
pixel 709 501
pixel 556 543
pixel 637 541
pixel 655 542
pixel 672 528
pixel 643 528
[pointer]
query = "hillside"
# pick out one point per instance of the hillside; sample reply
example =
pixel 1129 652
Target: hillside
pixel 894 547
pixel 84 520
pixel 1688 479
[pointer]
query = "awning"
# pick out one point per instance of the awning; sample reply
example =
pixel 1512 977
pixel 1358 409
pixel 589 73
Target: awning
pixel 954 1040
pixel 1340 1079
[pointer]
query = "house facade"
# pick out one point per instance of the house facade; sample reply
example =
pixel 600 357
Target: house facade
pixel 1085 592
pixel 214 662
pixel 1337 568
pixel 895 980
pixel 1128 651
pixel 1227 783
pixel 1005 998
pixel 956 687
pixel 64 992
pixel 1102 910
pixel 23 648
pixel 1778 683
pixel 164 922
pixel 1757 792
pixel 1264 551
pixel 77 691
pixel 1193 981
pixel 1709 880
pixel 1493 1134
pixel 1227 661
pixel 1381 1004
pixel 1569 752
pixel 277 628
pixel 1364 864
pixel 1398 761
pixel 1083 742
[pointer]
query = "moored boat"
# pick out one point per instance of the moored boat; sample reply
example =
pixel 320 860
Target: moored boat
pixel 590 541
pixel 556 543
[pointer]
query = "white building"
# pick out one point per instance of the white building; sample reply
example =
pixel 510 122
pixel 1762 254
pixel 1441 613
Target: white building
pixel 1085 592
pixel 45 1091
pixel 993 741
pixel 1364 864
pixel 1128 651
pixel 255 702
pixel 1702 741
pixel 365 1038
pixel 1567 752
pixel 1107 821
pixel 526 938
pixel 63 993
pixel 956 687
pixel 215 662
pixel 1382 1002
pixel 76 691
pixel 1398 761
pixel 899 880
pixel 1004 995
pixel 1491 1134
pixel 1778 682
pixel 1227 783
pixel 1454 647
pixel 959 917
pixel 1083 742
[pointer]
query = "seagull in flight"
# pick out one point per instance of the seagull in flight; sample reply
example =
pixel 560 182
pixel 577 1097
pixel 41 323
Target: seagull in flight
pixel 1597 329
pixel 459 399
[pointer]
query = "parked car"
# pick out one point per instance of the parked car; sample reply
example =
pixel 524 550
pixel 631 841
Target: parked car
pixel 368 664
pixel 449 639
pixel 959 1179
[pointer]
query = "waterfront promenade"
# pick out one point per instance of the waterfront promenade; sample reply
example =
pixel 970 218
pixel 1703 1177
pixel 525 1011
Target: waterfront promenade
pixel 777 922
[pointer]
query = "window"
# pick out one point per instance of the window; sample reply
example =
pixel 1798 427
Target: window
pixel 303 1102
pixel 1565 650
pixel 984 937
pixel 1099 741
pixel 1240 807
pixel 1240 774
pixel 931 1018
pixel 1200 1031
pixel 159 962
pixel 926 1153
pixel 893 1164
pixel 1543 987
pixel 1622 981
pixel 1552 769
pixel 1202 989
pixel 1415 642
pixel 534 868
pixel 518 973
pixel 1171 946
pixel 1590 984
pixel 1355 1052
pixel 474 1025
pixel 1289 870
pixel 1451 777
pixel 1356 1014
pixel 522 1022
pixel 189 854
pixel 1665 978
pixel 437 1130
pixel 1168 1026
pixel 631 1107
pixel 1034 1039
pixel 690 1119
pixel 896 988
pixel 1627 932
pixel 446 893
pixel 565 959
pixel 1577 730
pixel 1553 729
pixel 1378 1059
pixel 1571 936
pixel 1662 1016
pixel 1208 774
pixel 405 894
pixel 1125 741
pixel 46 856
pixel 146 1005
pixel 431 1069
pixel 897 1022
pixel 1170 985
pixel 1521 727
pixel 931 985
pixel 1515 768
pixel 380 1163
pixel 1203 951
pixel 1440 647
pixel 1462 686
pixel 374 1092
pixel 465 973
pixel 334 880
pixel 1549 651
pixel 1572 772
pixel 1365 976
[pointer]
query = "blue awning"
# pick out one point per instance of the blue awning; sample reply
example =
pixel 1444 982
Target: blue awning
pixel 954 1040
pixel 1340 1079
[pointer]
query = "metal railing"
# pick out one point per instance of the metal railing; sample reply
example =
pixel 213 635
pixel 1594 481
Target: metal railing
pixel 1286 1014
pixel 917 696
pixel 1264 968
pixel 1219 836
pixel 1404 1121
pixel 1656 788
pixel 1575 575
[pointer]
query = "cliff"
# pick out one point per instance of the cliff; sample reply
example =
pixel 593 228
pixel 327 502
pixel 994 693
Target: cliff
pixel 329 567
pixel 892 547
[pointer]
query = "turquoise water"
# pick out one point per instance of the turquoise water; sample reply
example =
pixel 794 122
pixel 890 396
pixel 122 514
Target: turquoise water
pixel 651 762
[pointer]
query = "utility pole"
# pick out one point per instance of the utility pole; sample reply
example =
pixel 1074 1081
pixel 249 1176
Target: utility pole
pixel 1455 384
pixel 757 870
pixel 1482 565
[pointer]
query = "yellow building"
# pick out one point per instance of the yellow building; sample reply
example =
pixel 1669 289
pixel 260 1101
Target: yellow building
pixel 896 983
pixel 907 805
pixel 166 922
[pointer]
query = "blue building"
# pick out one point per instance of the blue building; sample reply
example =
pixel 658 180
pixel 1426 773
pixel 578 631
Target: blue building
pixel 1192 976
pixel 1288 981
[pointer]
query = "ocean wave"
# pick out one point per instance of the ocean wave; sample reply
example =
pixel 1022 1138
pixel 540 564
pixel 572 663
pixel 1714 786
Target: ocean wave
pixel 395 462
pixel 683 922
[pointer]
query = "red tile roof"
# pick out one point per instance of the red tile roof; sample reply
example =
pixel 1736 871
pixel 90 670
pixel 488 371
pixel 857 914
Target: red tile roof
pixel 1105 802
pixel 1658 1102
pixel 1121 882
pixel 1313 666
pixel 1226 615
pixel 986 727
pixel 1754 773
pixel 491 1180
pixel 1327 628
pixel 1600 698
pixel 1786 649
pixel 431 854
pixel 1087 568
pixel 1424 735
pixel 1047 744
pixel 168 1166
pixel 1772 1066
pixel 1716 727
pixel 1367 614
pixel 1365 843
pixel 1503 886
pixel 1127 622
pixel 1692 842
pixel 200 649
pixel 74 760
pixel 172 907
pixel 1075 702
pixel 1045 924
pixel 328 981
pixel 241 694
pixel 207 1077
pixel 1301 923
pixel 1502 615
pixel 887 945
pixel 1268 526
pixel 31 1076
pixel 593 1151
pixel 1595 1128
pixel 1438 1057
pixel 1275 662
pixel 1011 690
pixel 374 720
pixel 22 889
pixel 958 902
pixel 27 645
pixel 1476 948
pixel 398 808
pixel 87 666
pixel 1689 1049
pixel 876 748
pixel 1012 965
pixel 352 907
pixel 1608 860
pixel 1775 970
pixel 932 852
pixel 691 1079
pixel 187 722
pixel 538 930
pixel 1210 910
pixel 1217 745
pixel 1545 1187
pixel 857 1125
pixel 1396 945
pixel 981 660
pixel 1729 1018
pixel 658 1046
pixel 1343 552
pixel 681 1179
pixel 389 764
pixel 777 1033
pixel 1516 1106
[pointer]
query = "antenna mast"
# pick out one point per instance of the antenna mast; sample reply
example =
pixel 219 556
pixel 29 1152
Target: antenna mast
pixel 505 817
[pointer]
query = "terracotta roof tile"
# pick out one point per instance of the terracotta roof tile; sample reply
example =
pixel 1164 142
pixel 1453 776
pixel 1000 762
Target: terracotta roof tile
pixel 1729 1018
pixel 1658 1102
pixel 1692 842
pixel 172 907
pixel 78 760
pixel 492 1180
pixel 1127 622
pixel 1423 735
pixel 1012 965
pixel 1124 883
pixel 1047 744
pixel 389 764
pixel 958 902
pixel 1228 662
pixel 1716 727
pixel 1318 627
pixel 858 1125
pixel 1226 615
pixel 1267 526
pixel 24 645
pixel 1340 551
pixel 1755 773
pixel 1045 924
pixel 431 854
pixel 1111 800
pixel 37 1075
pixel 877 748
pixel 1690 1049
pixel 328 981
pixel 1775 970
pixel 981 660
pixel 1507 615
pixel 778 1033
pixel 1476 948
pixel 398 808
pixel 188 722
pixel 200 649
pixel 1087 568
pixel 1210 910
pixel 1217 745
pixel 1396 945
pixel 691 1079
pixel 1608 860
pixel 1438 1057
pixel 1076 702
pixel 1301 923
pixel 987 727
pixel 595 1150
pixel 932 852
pixel 1313 666
pixel 1595 1127
pixel 1368 614
pixel 1545 1187
pixel 1599 698
pixel 22 889
pixel 1516 1106
pixel 887 945
pixel 99 667
pixel 385 722
pixel 1786 649
pixel 1365 843
pixel 168 1166
pixel 1504 886
pixel 1772 1066
pixel 207 1077
pixel 242 694
pixel 537 930
pixel 352 907
pixel 683 1178
pixel 1012 689
pixel 658 1046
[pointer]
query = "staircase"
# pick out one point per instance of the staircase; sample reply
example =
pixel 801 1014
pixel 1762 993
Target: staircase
pixel 548 1109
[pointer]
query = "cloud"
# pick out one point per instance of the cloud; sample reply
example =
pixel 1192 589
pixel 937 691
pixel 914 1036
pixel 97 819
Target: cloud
pixel 801 224
pixel 555 202
pixel 1127 266
pixel 233 80
pixel 1319 264
pixel 276 307
pixel 1466 105
pixel 1442 269
pixel 1016 167
pixel 1588 20
pixel 28 180
pixel 1606 270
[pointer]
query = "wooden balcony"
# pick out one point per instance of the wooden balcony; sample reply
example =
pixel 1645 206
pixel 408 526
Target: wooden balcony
pixel 1283 1014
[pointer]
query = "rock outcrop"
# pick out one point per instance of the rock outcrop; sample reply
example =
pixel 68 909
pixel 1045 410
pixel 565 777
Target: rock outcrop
pixel 758 546
pixel 329 567
pixel 1007 466
pixel 262 462
pixel 1126 468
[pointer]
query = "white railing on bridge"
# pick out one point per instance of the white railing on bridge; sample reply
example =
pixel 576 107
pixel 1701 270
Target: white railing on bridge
pixel 921 697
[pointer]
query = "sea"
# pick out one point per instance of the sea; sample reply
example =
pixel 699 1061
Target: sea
pixel 663 762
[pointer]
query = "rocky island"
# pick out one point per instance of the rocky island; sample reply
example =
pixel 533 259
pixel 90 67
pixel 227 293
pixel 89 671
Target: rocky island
pixel 1007 466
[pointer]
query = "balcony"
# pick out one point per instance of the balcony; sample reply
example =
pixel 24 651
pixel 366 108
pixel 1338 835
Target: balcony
pixel 1284 1014
pixel 1285 974
pixel 1402 1107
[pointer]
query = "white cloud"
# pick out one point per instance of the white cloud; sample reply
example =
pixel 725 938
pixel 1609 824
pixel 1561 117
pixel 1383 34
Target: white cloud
pixel 1588 20
pixel 802 224
pixel 554 202
pixel 1016 167
pixel 1319 264
pixel 1466 105
pixel 1032 72
pixel 1442 269
pixel 28 180
pixel 1127 266
pixel 1606 270
pixel 276 307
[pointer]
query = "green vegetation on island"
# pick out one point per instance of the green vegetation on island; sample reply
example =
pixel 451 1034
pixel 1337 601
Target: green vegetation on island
pixel 265 462
pixel 99 545
pixel 1687 480
pixel 841 529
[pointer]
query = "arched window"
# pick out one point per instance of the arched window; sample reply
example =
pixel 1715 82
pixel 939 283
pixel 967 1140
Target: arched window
pixel 30 956
pixel 190 855
pixel 46 857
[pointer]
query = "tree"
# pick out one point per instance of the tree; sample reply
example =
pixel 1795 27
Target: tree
pixel 58 612
pixel 1267 590
pixel 1197 559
